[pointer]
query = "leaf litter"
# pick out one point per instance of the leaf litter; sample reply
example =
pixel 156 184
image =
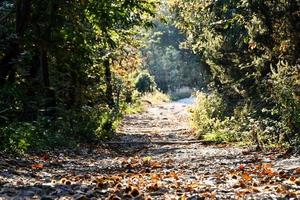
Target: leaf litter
pixel 149 171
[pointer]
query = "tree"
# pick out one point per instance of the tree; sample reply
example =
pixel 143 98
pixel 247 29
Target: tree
pixel 60 60
pixel 244 44
pixel 172 65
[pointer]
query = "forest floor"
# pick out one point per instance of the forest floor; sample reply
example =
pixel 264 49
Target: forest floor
pixel 154 156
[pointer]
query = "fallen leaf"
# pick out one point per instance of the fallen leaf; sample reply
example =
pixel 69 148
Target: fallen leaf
pixel 297 181
pixel 297 171
pixel 135 192
pixel 267 166
pixel 183 197
pixel 246 176
pixel 147 159
pixel 241 167
pixel 155 177
pixel 45 157
pixel 37 166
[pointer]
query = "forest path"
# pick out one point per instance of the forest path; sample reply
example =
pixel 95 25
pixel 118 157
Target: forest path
pixel 162 124
pixel 174 165
pixel 154 157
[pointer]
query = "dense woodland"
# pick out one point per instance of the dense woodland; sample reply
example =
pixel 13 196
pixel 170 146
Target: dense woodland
pixel 69 69
pixel 252 49
pixel 66 68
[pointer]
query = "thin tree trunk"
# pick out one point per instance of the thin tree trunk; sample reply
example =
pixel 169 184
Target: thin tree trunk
pixel 45 68
pixel 108 81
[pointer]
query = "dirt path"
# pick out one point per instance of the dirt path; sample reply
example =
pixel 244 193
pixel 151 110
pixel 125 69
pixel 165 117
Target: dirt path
pixel 154 157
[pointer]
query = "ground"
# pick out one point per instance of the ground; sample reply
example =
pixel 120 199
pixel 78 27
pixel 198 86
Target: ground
pixel 154 156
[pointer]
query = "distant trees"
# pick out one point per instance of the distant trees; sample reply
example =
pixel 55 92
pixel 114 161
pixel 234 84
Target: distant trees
pixel 68 61
pixel 171 65
pixel 252 51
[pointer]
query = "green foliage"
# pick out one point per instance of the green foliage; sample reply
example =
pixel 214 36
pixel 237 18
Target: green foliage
pixel 65 131
pixel 65 68
pixel 285 90
pixel 145 82
pixel 209 119
pixel 172 65
pixel 17 137
pixel 206 113
pixel 252 50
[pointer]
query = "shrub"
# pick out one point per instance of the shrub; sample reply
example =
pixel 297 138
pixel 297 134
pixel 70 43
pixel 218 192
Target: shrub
pixel 145 82
pixel 285 91
pixel 85 125
pixel 206 112
pixel 210 120
pixel 18 137
pixel 155 97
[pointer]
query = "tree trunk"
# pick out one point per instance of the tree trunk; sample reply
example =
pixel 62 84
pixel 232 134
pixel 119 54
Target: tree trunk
pixel 44 67
pixel 23 10
pixel 30 111
pixel 108 81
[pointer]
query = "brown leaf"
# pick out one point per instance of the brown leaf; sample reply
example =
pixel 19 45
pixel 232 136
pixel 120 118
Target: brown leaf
pixel 135 192
pixel 242 184
pixel 257 167
pixel 293 178
pixel 153 187
pixel 267 166
pixel 297 171
pixel 297 181
pixel 114 197
pixel 155 177
pixel 255 189
pixel 246 176
pixel 128 189
pixel 155 165
pixel 46 157
pixel 37 166
pixel 174 175
pixel 241 167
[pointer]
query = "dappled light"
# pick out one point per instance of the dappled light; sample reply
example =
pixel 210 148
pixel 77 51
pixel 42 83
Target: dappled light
pixel 155 99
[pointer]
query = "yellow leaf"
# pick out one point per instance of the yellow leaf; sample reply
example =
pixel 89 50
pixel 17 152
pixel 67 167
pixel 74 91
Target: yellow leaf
pixel 183 197
pixel 147 159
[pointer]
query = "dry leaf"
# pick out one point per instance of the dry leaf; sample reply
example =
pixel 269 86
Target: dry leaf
pixel 147 159
pixel 241 167
pixel 297 171
pixel 135 192
pixel 246 176
pixel 37 166
pixel 267 166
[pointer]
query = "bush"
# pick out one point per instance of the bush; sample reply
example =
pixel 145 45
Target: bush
pixel 286 93
pixel 18 137
pixel 85 125
pixel 210 120
pixel 206 112
pixel 145 82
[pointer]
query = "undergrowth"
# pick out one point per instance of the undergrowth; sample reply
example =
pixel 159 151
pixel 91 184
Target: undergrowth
pixel 155 97
pixel 211 121
pixel 87 125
